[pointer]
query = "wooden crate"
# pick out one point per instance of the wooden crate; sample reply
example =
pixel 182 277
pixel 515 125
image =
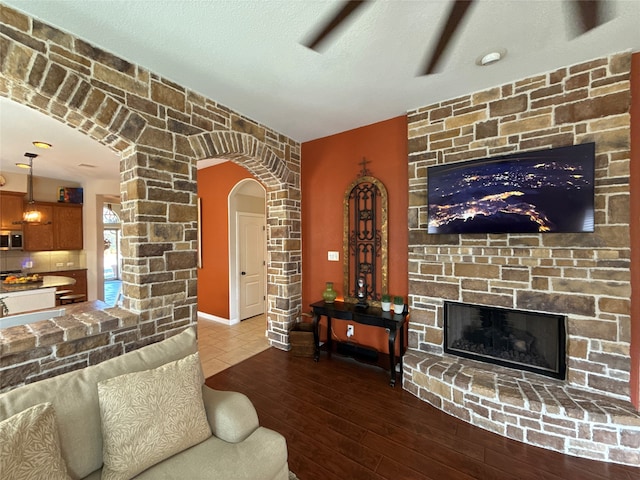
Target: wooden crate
pixel 301 339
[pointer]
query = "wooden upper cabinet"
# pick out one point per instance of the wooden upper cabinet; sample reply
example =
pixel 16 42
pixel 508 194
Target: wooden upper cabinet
pixel 11 205
pixel 67 227
pixel 40 236
pixel 60 228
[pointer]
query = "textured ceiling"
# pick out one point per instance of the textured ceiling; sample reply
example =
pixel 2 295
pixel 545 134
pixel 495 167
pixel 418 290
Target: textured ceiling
pixel 248 54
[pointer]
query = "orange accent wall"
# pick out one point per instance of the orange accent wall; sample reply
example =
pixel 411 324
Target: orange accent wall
pixel 329 165
pixel 635 230
pixel 214 185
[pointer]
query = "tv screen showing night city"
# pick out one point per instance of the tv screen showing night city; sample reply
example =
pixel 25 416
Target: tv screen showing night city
pixel 543 191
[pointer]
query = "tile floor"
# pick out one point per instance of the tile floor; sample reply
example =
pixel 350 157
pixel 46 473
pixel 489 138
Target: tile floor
pixel 221 346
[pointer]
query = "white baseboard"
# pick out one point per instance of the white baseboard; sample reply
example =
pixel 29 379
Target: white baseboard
pixel 214 318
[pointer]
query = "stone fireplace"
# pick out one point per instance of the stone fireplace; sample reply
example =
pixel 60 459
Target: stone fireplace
pixel 582 277
pixel 519 339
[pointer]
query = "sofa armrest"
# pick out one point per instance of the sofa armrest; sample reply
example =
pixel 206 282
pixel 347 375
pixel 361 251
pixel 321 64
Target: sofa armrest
pixel 231 415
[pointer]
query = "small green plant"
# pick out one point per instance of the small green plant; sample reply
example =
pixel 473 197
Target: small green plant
pixel 386 298
pixel 398 300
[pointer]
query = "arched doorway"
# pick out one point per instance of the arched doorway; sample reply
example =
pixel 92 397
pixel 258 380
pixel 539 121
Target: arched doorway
pixel 247 250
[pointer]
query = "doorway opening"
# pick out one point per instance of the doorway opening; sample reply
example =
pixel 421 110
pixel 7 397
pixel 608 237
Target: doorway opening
pixel 247 250
pixel 112 255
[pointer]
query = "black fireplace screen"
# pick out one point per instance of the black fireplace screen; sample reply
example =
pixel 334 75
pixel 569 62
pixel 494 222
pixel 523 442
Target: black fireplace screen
pixel 519 339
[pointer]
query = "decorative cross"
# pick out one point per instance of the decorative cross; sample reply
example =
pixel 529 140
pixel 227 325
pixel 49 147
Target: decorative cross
pixel 365 171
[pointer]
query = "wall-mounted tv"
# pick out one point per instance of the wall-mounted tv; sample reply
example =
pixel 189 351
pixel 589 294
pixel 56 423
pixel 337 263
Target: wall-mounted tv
pixel 542 191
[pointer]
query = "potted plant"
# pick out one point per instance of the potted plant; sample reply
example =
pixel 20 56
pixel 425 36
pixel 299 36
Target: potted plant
pixel 385 302
pixel 398 304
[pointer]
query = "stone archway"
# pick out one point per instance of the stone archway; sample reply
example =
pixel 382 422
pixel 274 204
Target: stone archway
pixel 284 249
pixel 160 129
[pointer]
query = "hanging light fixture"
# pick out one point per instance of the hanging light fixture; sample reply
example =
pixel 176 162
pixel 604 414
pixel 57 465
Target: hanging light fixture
pixel 31 213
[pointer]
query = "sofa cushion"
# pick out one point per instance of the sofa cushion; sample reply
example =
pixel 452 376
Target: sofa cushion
pixel 261 456
pixel 150 416
pixel 74 396
pixel 29 446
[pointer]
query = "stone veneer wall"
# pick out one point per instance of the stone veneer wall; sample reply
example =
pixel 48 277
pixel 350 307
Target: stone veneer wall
pixel 160 129
pixel 78 339
pixel 584 276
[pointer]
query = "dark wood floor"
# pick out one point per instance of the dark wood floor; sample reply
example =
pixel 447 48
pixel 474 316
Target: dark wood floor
pixel 343 421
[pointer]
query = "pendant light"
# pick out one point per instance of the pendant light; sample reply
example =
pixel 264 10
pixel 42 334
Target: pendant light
pixel 31 213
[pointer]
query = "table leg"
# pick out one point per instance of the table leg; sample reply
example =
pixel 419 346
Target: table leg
pixel 402 351
pixel 392 355
pixel 329 338
pixel 316 338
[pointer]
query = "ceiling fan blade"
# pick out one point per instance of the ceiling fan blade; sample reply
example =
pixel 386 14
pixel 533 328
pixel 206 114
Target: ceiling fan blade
pixel 347 9
pixel 457 13
pixel 589 14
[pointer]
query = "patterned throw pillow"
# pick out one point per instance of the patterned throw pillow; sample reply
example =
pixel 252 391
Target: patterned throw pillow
pixel 149 416
pixel 30 446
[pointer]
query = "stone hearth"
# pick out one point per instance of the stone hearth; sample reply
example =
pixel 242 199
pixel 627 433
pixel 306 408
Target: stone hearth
pixel 528 407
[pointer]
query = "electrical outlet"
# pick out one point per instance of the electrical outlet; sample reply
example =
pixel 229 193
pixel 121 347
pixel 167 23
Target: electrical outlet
pixel 28 264
pixel 60 264
pixel 333 256
pixel 69 264
pixel 350 330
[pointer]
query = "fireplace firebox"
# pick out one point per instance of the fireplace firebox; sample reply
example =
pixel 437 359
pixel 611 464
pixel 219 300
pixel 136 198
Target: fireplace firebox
pixel 518 339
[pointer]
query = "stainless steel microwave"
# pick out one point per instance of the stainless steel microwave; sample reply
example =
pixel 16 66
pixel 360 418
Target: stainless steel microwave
pixel 10 240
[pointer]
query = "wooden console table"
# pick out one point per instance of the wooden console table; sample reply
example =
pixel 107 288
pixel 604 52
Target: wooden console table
pixel 393 323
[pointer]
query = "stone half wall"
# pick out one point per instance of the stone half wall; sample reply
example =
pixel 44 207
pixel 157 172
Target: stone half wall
pixel 82 337
pixel 583 276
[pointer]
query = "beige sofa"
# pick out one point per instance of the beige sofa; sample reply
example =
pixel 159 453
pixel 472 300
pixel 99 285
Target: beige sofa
pixel 238 449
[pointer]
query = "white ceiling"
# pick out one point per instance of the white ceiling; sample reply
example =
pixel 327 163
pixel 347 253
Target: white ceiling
pixel 74 155
pixel 247 55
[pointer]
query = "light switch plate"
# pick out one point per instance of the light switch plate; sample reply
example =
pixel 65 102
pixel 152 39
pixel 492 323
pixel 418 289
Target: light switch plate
pixel 333 256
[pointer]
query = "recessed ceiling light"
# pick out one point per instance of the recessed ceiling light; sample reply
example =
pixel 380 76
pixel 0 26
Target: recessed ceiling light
pixel 41 144
pixel 22 165
pixel 491 57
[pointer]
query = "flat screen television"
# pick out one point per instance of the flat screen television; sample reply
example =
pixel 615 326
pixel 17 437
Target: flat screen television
pixel 530 192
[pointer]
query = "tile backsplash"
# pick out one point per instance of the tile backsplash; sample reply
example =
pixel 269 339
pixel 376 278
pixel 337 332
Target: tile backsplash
pixel 42 261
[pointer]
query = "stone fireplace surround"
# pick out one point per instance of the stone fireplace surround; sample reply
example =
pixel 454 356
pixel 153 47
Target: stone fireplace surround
pixel 583 276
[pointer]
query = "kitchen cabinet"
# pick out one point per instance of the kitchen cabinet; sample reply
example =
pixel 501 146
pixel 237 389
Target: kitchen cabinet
pixel 39 236
pixel 80 276
pixel 60 228
pixel 29 300
pixel 67 227
pixel 11 206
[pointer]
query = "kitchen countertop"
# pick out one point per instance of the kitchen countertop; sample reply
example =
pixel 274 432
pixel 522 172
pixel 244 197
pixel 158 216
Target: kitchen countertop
pixel 57 270
pixel 48 281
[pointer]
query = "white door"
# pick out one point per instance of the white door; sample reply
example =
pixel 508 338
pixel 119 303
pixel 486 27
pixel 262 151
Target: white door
pixel 251 248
